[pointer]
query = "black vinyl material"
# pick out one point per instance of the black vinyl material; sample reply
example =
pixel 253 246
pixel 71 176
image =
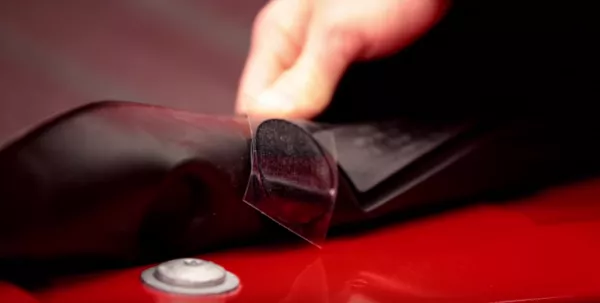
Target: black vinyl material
pixel 126 181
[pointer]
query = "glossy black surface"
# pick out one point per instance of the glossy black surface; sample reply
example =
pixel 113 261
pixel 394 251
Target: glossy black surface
pixel 126 181
pixel 123 182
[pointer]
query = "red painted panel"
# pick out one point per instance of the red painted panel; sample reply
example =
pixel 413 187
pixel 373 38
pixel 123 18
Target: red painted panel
pixel 12 294
pixel 543 248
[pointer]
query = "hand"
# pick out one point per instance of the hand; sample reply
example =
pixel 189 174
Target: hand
pixel 301 48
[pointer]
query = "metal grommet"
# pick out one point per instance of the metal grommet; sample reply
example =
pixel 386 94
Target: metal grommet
pixel 190 276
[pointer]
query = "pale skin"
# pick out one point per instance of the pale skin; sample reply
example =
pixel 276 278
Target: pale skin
pixel 301 48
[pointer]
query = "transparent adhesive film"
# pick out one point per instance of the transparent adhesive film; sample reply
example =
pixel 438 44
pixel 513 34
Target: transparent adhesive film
pixel 294 176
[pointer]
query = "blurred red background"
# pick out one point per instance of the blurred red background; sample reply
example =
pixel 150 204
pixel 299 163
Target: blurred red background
pixel 56 55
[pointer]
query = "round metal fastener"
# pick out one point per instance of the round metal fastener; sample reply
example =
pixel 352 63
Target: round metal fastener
pixel 190 276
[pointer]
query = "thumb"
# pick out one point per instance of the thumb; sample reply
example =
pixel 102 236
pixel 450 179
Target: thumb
pixel 305 89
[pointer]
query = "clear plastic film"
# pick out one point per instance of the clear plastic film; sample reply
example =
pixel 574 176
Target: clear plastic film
pixel 294 175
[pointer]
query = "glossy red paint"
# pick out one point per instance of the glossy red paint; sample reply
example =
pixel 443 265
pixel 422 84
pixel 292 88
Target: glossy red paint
pixel 544 248
pixel 13 294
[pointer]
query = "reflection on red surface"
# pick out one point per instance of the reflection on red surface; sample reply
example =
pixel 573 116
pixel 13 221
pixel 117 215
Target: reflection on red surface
pixel 544 248
pixel 13 294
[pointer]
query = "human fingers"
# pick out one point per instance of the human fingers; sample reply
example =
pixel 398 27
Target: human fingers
pixel 277 38
pixel 341 32
pixel 306 88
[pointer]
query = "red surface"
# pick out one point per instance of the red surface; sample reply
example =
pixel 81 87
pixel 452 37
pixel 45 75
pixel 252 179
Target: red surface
pixel 544 248
pixel 13 294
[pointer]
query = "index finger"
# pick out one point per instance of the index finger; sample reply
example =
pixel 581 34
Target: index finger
pixel 277 37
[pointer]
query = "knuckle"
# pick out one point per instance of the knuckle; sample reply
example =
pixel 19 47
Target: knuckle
pixel 273 30
pixel 269 16
pixel 262 19
pixel 342 39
